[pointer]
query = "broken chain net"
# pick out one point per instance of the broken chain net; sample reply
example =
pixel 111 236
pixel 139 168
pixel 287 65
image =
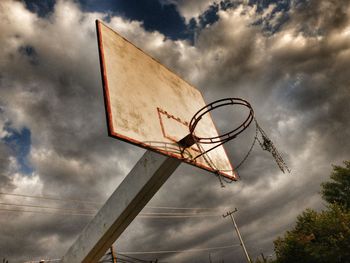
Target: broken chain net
pixel 265 143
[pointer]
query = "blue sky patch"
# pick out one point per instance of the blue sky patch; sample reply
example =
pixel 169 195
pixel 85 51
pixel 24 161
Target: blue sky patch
pixel 41 7
pixel 165 18
pixel 154 15
pixel 20 142
pixel 281 6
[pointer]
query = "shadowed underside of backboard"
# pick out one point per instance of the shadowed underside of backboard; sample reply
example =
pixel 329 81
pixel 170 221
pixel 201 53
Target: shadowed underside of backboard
pixel 150 106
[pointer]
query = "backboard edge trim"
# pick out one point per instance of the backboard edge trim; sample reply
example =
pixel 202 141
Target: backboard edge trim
pixel 114 134
pixel 108 111
pixel 148 147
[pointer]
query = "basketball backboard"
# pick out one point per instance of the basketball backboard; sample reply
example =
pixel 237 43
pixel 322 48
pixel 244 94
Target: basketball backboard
pixel 150 106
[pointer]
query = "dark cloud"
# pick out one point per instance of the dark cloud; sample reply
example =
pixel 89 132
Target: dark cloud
pixel 299 93
pixel 59 100
pixel 320 18
pixel 5 175
pixel 30 53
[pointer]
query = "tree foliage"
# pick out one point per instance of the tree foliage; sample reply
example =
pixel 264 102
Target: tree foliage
pixel 338 190
pixel 317 237
pixel 321 237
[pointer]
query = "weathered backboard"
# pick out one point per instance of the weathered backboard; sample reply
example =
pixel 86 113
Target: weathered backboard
pixel 150 106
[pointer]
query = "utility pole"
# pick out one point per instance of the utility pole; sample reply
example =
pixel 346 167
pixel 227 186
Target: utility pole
pixel 230 213
pixel 114 258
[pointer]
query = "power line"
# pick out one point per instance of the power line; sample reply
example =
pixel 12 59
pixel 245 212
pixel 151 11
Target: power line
pixel 44 212
pixel 93 211
pixel 101 261
pixel 51 198
pixel 46 260
pixel 180 208
pixel 172 213
pixel 79 213
pixel 46 207
pixel 141 260
pixel 177 251
pixel 151 252
pixel 123 258
pixel 45 197
pixel 176 216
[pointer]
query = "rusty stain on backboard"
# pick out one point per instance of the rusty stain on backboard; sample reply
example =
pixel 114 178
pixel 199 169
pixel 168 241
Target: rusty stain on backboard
pixel 150 106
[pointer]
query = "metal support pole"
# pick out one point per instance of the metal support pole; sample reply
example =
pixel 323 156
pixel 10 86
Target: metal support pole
pixel 138 187
pixel 230 213
pixel 114 258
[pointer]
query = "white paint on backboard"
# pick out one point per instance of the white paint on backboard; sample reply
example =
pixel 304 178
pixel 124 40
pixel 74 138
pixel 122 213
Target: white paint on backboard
pixel 150 106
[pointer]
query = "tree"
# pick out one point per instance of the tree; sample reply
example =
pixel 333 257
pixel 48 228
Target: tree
pixel 321 237
pixel 317 238
pixel 338 190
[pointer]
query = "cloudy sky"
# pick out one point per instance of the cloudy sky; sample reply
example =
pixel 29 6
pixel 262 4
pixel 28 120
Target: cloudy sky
pixel 290 59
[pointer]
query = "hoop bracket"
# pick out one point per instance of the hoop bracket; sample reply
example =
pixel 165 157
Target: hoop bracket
pixel 191 138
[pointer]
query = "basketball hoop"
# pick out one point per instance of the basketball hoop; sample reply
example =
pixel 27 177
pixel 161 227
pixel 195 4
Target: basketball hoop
pixel 192 138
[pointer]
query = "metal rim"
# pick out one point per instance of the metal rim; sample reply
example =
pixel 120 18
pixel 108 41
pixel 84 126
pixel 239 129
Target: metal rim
pixel 229 135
